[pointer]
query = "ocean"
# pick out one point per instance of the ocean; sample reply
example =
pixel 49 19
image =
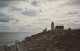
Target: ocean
pixel 9 38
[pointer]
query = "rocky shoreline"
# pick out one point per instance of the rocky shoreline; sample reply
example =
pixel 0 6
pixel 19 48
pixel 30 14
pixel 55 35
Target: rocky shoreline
pixel 57 40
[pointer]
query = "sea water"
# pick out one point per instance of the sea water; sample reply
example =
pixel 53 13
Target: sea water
pixel 9 38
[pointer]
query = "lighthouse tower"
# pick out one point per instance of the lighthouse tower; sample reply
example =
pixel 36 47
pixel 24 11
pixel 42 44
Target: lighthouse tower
pixel 52 25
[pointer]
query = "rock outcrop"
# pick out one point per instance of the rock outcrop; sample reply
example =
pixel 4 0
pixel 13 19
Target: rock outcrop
pixel 56 40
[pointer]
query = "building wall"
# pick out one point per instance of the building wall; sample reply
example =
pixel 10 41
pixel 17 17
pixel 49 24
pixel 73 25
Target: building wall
pixel 59 27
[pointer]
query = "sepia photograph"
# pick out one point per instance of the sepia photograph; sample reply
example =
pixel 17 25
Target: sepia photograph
pixel 39 25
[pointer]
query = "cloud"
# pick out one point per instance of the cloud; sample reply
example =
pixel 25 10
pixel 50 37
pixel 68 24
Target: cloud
pixel 31 12
pixel 7 3
pixel 52 0
pixel 75 2
pixel 42 11
pixel 34 3
pixel 3 4
pixel 72 3
pixel 74 12
pixel 15 8
pixel 43 20
pixel 39 2
pixel 6 18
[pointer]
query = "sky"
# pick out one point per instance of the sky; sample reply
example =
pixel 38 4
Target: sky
pixel 35 15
